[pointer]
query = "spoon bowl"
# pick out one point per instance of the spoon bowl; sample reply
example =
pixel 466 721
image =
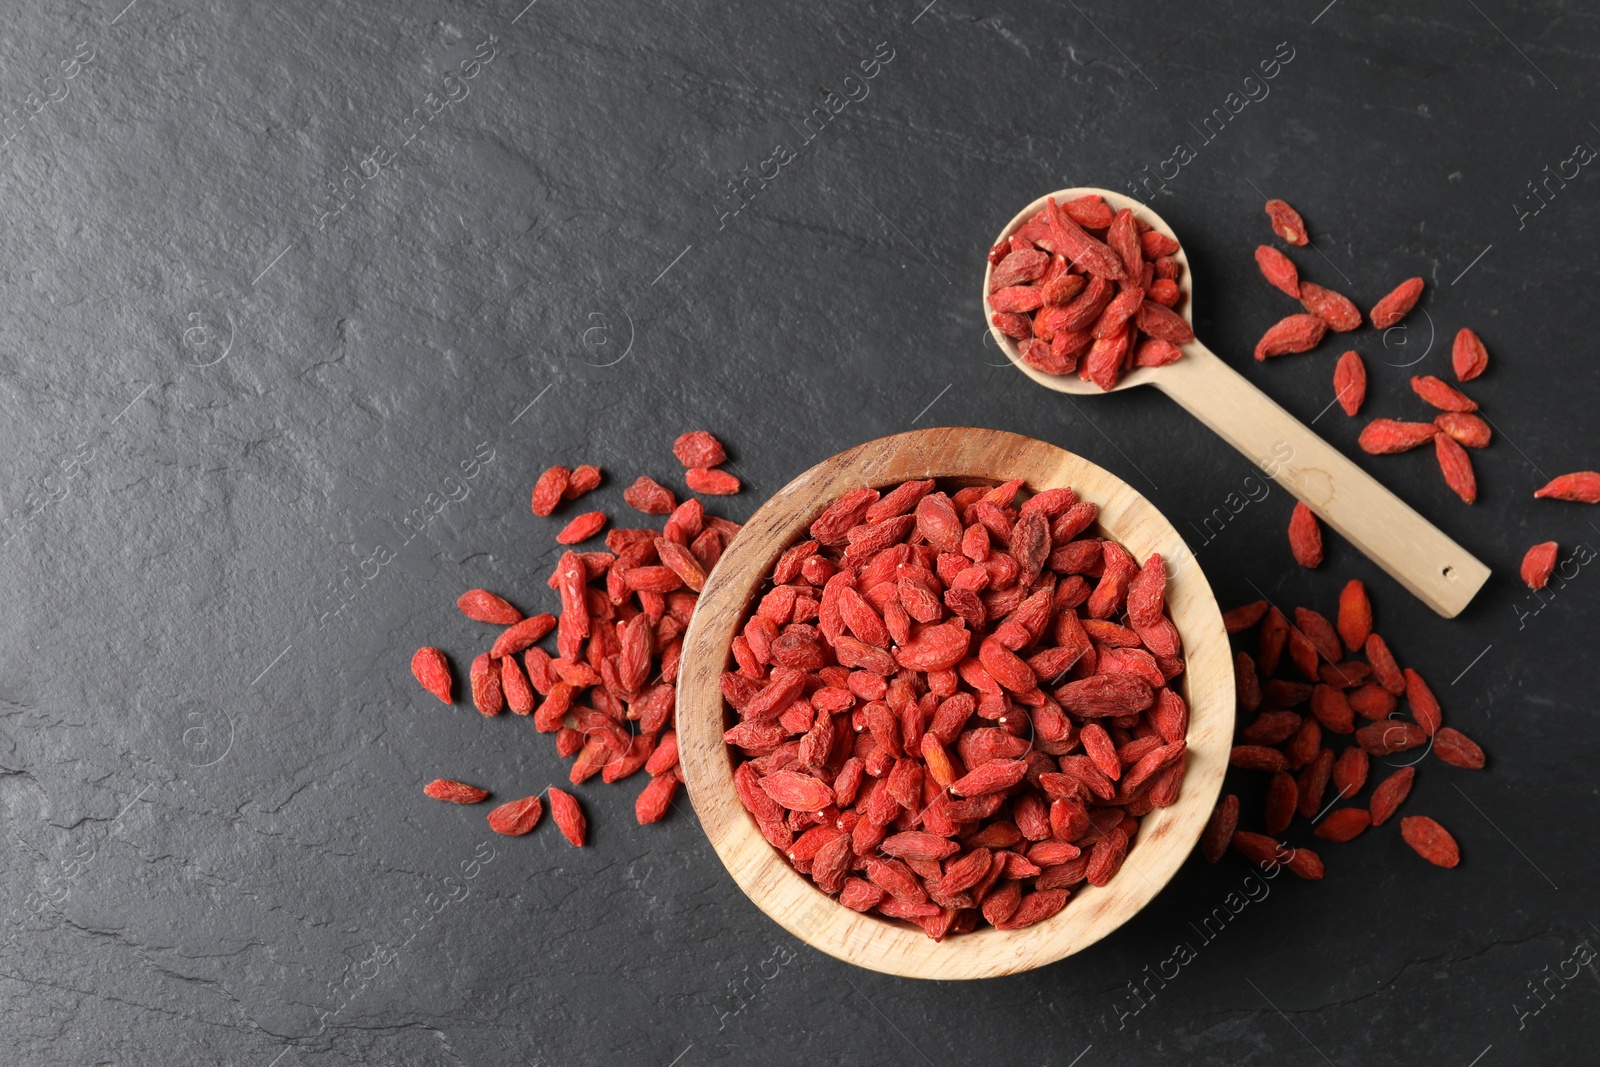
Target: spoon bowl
pixel 1412 550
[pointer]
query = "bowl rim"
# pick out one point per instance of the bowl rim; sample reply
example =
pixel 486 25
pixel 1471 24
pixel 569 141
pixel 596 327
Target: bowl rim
pixel 1167 835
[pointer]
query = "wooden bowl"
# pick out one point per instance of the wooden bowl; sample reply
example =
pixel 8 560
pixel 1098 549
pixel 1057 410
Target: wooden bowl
pixel 1166 835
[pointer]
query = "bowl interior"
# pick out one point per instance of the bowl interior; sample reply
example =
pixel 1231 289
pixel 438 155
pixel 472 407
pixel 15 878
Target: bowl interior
pixel 1071 383
pixel 1166 836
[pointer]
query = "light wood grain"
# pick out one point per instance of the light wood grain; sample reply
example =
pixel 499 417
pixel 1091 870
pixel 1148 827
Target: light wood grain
pixel 1412 550
pixel 1167 835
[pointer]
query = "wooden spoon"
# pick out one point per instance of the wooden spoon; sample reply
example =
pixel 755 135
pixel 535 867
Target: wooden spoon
pixel 1416 554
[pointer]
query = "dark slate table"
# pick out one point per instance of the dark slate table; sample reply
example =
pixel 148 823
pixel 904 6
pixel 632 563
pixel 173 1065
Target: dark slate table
pixel 301 297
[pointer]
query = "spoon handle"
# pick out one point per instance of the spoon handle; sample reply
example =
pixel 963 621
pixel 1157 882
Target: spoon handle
pixel 1416 554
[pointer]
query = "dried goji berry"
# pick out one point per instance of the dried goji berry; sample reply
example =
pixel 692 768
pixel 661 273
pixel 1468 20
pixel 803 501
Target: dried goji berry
pixel 1392 308
pixel 454 792
pixel 1468 357
pixel 568 816
pixel 584 479
pixel 697 448
pixel 1470 431
pixel 1390 794
pixel 582 528
pixel 711 482
pixel 649 496
pixel 485 678
pixel 517 817
pixel 1382 437
pixel 1286 222
pixel 1441 394
pixel 481 605
pixel 1305 536
pixel 432 671
pixel 1278 269
pixel 548 490
pixel 1536 567
pixel 1581 487
pixel 1457 749
pixel 1430 840
pixel 1457 467
pixel 1350 382
pixel 1333 308
pixel 1295 333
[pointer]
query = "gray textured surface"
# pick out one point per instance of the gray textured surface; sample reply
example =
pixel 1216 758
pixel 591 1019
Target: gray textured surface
pixel 215 848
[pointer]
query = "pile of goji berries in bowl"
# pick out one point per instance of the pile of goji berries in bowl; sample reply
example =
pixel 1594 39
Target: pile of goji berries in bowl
pixel 943 693
pixel 1087 284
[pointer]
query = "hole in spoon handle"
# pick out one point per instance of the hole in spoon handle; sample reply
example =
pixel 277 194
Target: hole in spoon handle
pixel 1388 531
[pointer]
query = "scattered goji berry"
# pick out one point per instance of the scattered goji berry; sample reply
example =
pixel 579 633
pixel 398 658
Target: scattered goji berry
pixel 711 482
pixel 1278 269
pixel 1394 307
pixel 548 490
pixel 1286 222
pixel 1536 567
pixel 1295 333
pixel 1305 536
pixel 455 792
pixel 1350 382
pixel 517 817
pixel 698 448
pixel 1382 437
pixel 432 671
pixel 1430 840
pixel 1468 357
pixel 568 816
pixel 1582 487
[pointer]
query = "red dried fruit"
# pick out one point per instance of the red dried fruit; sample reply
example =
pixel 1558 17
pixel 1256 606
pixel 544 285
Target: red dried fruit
pixel 1244 616
pixel 1457 749
pixel 1350 382
pixel 1355 615
pixel 711 482
pixel 649 496
pixel 1537 565
pixel 1305 536
pixel 1350 771
pixel 1382 437
pixel 454 792
pixel 517 817
pixel 797 791
pixel 584 479
pixel 1017 298
pixel 1282 798
pixel 480 605
pixel 1470 431
pixel 1335 309
pixel 485 677
pixel 1295 333
pixel 1390 736
pixel 548 490
pixel 698 448
pixel 568 816
pixel 1344 824
pixel 1022 265
pixel 1468 357
pixel 522 635
pixel 581 528
pixel 1286 222
pixel 1457 467
pixel 1582 487
pixel 656 798
pixel 1390 794
pixel 432 671
pixel 1394 307
pixel 1081 250
pixel 1219 829
pixel 1258 758
pixel 1442 394
pixel 1278 269
pixel 1384 667
pixel 1424 705
pixel 1430 840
